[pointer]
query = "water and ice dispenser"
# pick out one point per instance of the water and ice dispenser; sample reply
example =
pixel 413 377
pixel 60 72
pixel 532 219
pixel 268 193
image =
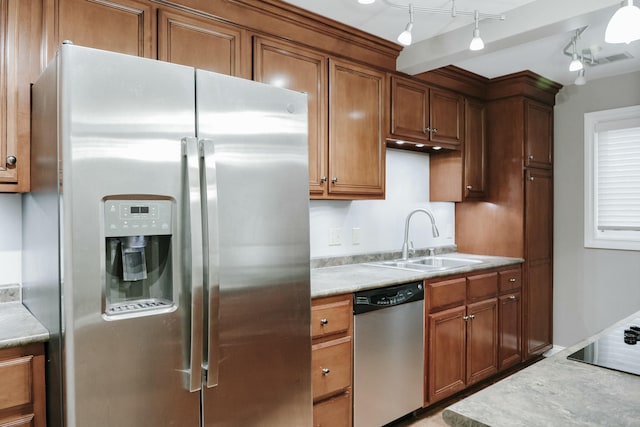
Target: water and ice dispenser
pixel 138 268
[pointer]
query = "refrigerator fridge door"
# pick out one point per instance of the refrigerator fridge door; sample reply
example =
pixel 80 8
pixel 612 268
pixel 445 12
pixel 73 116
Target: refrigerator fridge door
pixel 126 336
pixel 258 355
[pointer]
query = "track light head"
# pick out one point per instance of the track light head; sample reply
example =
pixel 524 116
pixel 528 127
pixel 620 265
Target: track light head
pixel 581 79
pixel 405 37
pixel 476 41
pixel 624 25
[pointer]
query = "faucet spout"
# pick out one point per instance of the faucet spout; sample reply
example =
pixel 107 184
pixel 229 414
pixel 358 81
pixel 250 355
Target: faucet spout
pixel 434 230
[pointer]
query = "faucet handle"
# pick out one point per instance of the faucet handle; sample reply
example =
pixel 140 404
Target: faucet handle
pixel 431 251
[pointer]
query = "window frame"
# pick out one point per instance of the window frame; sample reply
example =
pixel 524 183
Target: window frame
pixel 594 238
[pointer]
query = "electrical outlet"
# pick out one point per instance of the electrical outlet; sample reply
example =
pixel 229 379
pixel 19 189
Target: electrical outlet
pixel 355 236
pixel 335 238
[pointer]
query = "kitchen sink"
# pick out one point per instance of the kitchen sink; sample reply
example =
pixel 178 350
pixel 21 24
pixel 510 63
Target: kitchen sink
pixel 431 263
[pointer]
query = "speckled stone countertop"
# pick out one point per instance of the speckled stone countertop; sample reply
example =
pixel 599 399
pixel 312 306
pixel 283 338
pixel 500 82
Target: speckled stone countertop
pixel 341 279
pixel 555 392
pixel 18 326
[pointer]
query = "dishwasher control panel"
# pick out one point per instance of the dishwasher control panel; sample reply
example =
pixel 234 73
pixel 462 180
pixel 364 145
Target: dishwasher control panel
pixel 376 299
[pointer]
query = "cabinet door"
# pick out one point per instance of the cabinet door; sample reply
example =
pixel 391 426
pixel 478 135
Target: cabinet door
pixel 538 301
pixel 356 143
pixel 124 26
pixel 202 43
pixel 446 111
pixel 409 109
pixel 538 134
pixel 510 332
pixel 474 149
pixel 20 38
pixel 482 340
pixel 446 354
pixel 299 69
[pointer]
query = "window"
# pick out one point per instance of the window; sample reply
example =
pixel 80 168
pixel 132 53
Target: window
pixel 612 179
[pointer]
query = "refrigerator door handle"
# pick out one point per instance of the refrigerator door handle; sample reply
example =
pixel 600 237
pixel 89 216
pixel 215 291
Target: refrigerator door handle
pixel 212 262
pixel 194 268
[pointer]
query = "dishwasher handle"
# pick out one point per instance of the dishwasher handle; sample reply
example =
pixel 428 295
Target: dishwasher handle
pixel 379 299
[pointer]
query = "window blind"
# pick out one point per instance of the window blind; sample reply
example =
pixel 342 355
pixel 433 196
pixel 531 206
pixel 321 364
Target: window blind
pixel 618 176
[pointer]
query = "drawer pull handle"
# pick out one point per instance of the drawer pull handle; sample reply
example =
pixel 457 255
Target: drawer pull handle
pixel 324 321
pixel 512 280
pixel 512 297
pixel 325 371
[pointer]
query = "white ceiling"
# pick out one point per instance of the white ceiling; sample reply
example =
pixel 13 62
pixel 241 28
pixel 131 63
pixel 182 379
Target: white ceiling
pixel 532 37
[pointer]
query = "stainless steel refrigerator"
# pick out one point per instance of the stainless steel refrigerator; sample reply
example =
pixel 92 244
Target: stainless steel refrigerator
pixel 166 245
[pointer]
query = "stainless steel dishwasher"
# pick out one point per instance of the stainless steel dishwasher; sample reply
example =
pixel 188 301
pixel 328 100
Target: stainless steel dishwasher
pixel 388 367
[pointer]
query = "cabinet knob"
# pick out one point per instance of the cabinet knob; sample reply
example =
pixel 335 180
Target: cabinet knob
pixel 11 160
pixel 323 179
pixel 427 130
pixel 435 130
pixel 334 179
pixel 531 179
pixel 512 297
pixel 465 318
pixel 512 280
pixel 530 156
pixel 469 187
pixel 473 316
pixel 325 371
pixel 324 321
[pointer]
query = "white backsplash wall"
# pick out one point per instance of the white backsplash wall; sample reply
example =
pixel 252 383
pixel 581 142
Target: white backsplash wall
pixel 11 242
pixel 378 225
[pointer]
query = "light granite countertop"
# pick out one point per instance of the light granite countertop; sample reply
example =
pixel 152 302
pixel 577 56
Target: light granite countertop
pixel 18 326
pixel 335 280
pixel 555 392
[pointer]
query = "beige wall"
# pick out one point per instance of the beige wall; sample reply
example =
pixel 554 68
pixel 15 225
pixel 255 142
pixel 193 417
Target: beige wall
pixel 593 288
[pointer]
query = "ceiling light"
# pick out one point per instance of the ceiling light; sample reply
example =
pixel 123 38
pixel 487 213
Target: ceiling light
pixel 624 25
pixel 366 1
pixel 405 37
pixel 581 79
pixel 575 64
pixel 476 41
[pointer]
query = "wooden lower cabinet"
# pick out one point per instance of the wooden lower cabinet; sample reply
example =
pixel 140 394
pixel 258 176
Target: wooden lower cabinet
pixel 462 333
pixel 22 386
pixel 332 360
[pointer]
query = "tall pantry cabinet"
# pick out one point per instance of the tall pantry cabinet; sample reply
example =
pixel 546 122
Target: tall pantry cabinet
pixel 516 218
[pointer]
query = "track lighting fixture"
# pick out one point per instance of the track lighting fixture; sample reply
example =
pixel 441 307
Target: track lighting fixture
pixel 576 63
pixel 581 79
pixel 624 25
pixel 476 41
pixel 405 37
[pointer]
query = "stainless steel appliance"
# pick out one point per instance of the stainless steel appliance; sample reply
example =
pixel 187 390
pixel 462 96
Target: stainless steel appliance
pixel 388 365
pixel 616 349
pixel 166 245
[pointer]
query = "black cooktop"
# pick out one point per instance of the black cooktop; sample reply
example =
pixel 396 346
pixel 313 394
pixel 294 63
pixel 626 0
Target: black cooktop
pixel 619 349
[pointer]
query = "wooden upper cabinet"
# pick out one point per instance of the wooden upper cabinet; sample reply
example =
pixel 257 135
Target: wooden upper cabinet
pixel 538 120
pixel 202 43
pixel 475 151
pixel 446 112
pixel 286 65
pixel 124 26
pixel 409 109
pixel 423 114
pixel 356 142
pixel 458 176
pixel 20 38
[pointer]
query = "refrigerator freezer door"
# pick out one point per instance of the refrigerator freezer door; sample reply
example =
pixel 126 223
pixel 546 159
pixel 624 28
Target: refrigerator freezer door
pixel 259 134
pixel 122 121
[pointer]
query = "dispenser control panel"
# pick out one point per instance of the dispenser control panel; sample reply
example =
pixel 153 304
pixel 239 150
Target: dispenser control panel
pixel 137 217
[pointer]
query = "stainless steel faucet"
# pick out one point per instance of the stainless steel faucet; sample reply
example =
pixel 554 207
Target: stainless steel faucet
pixel 434 230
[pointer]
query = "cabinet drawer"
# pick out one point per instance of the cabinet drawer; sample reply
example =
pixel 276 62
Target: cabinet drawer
pixel 332 317
pixel 448 293
pixel 483 286
pixel 331 367
pixel 334 412
pixel 16 380
pixel 510 279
